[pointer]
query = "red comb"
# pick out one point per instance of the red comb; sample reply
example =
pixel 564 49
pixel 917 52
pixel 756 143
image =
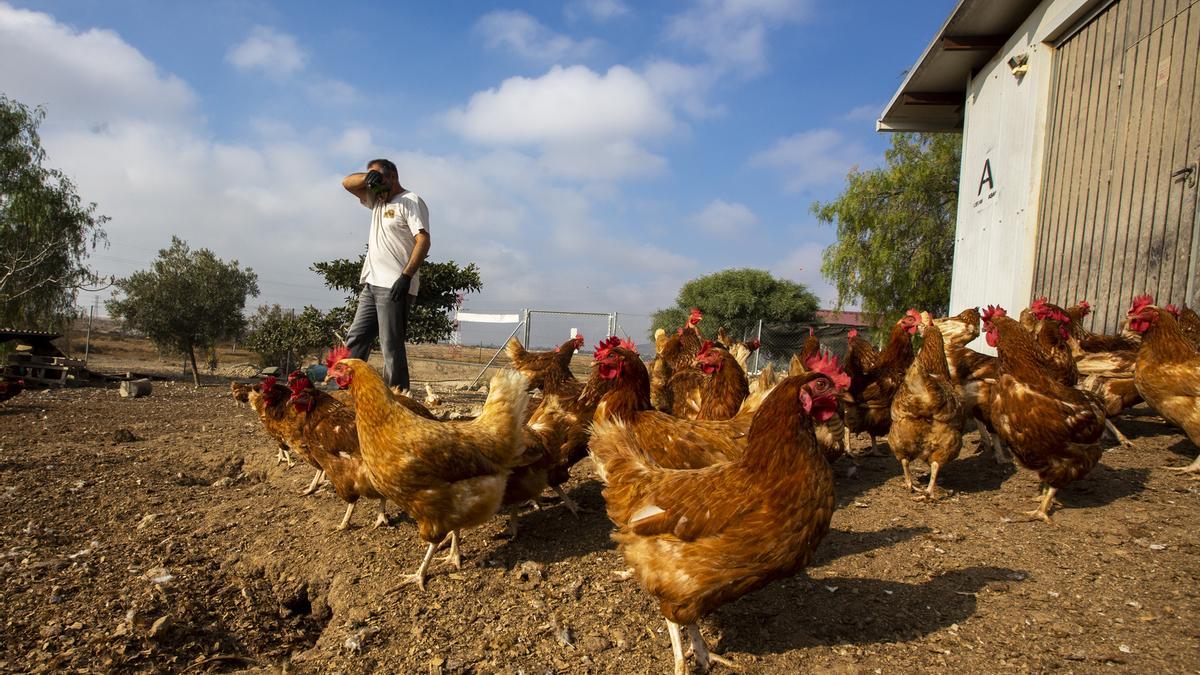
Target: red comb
pixel 827 364
pixel 1040 302
pixel 298 382
pixel 695 317
pixel 810 331
pixel 1173 310
pixel 758 343
pixel 705 348
pixel 992 312
pixel 853 333
pixel 1084 307
pixel 1140 302
pixel 605 347
pixel 337 354
pixel 268 382
pixel 578 340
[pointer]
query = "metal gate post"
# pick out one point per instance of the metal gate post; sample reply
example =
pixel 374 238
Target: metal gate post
pixel 759 350
pixel 527 317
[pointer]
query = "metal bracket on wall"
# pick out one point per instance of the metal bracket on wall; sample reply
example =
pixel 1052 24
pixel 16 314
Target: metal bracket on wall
pixel 1187 173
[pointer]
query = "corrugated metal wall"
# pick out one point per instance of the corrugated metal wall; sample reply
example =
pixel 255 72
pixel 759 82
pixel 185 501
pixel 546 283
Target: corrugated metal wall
pixel 1114 220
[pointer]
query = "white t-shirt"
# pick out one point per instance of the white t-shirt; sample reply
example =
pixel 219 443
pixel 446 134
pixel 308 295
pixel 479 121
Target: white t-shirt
pixel 394 227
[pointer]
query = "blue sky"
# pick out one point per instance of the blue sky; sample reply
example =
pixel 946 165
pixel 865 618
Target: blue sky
pixel 591 155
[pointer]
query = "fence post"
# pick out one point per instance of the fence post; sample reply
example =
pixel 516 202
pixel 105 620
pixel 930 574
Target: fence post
pixel 759 350
pixel 87 345
pixel 528 312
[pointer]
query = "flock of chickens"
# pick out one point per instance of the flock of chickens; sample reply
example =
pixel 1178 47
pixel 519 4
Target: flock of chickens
pixel 719 485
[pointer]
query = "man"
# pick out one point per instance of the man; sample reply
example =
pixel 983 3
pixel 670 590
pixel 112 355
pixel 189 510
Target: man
pixel 391 274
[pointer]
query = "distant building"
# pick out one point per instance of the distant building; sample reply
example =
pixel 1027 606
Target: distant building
pixel 851 319
pixel 1081 139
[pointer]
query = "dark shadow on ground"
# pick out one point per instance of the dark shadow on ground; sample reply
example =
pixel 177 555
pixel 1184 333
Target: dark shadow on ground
pixel 800 612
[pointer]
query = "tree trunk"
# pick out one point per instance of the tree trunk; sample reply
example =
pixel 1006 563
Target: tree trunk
pixel 195 371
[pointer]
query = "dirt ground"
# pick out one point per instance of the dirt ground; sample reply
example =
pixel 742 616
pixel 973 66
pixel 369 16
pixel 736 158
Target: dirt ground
pixel 157 534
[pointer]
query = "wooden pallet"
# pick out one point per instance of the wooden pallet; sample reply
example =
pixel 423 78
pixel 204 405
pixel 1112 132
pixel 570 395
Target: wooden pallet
pixel 55 371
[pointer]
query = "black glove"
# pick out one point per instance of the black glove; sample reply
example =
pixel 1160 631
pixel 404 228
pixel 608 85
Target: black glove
pixel 400 288
pixel 375 182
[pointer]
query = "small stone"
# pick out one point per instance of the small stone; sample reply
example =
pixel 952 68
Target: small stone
pixel 530 571
pixel 160 625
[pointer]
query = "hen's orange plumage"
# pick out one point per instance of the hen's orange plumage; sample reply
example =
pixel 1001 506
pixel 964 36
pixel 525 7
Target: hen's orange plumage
pixel 873 384
pixel 698 539
pixel 446 476
pixel 330 436
pixel 536 366
pixel 1050 428
pixel 671 441
pixel 674 354
pixel 927 413
pixel 1168 372
pixel 281 422
pixel 974 374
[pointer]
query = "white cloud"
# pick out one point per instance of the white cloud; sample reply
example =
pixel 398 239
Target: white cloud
pixel 330 92
pixel 108 79
pixel 814 159
pixel 572 104
pixel 353 143
pixel 527 37
pixel 864 113
pixel 724 219
pixel 269 52
pixel 597 10
pixel 585 125
pixel 686 86
pixel 733 33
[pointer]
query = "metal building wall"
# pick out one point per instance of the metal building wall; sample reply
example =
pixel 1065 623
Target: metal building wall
pixel 1118 213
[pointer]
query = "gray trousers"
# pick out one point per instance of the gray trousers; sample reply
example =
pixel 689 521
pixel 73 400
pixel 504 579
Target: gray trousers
pixel 378 316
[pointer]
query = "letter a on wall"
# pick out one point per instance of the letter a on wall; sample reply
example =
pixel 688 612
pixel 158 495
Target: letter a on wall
pixel 986 178
pixel 985 196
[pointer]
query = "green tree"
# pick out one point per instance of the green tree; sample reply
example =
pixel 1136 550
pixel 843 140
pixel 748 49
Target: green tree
pixel 442 283
pixel 283 338
pixel 187 300
pixel 737 299
pixel 46 232
pixel 895 229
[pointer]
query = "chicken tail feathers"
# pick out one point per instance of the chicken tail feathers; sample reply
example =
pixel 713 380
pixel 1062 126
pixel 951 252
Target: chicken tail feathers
pixel 614 451
pixel 504 411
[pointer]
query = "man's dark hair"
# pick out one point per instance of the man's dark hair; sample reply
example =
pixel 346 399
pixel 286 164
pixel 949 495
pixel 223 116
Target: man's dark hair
pixel 386 164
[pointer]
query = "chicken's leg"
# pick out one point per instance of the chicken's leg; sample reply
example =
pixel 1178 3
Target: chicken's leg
pixel 1194 467
pixel 1116 433
pixel 345 524
pixel 575 509
pixel 284 456
pixel 382 518
pixel 419 576
pixel 512 521
pixel 874 446
pixel 453 556
pixel 908 481
pixel 1043 511
pixel 677 648
pixel 705 658
pixel 1000 453
pixel 931 491
pixel 315 484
